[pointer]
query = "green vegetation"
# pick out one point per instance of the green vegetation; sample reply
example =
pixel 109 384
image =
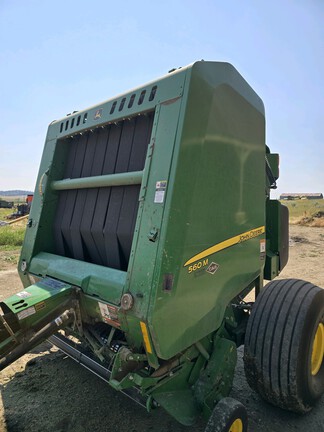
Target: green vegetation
pixel 11 236
pixel 11 239
pixel 4 212
pixel 9 256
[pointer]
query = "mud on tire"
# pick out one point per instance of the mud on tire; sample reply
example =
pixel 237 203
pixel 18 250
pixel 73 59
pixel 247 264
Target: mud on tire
pixel 229 415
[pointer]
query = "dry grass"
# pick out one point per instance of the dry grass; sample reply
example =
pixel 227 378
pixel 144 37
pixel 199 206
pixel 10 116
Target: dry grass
pixel 312 221
pixel 15 198
pixel 306 212
pixel 319 223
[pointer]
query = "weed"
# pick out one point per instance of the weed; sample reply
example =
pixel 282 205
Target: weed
pixel 10 236
pixel 11 259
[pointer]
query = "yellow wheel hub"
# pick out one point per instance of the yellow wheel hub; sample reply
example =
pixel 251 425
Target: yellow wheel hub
pixel 318 350
pixel 236 426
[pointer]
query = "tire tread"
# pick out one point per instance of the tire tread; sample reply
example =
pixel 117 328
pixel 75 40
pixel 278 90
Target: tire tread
pixel 272 342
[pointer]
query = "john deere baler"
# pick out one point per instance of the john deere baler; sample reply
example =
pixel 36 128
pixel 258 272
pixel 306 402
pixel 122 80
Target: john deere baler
pixel 151 222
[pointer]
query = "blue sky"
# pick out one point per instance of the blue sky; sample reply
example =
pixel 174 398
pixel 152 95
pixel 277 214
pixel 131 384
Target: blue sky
pixel 56 57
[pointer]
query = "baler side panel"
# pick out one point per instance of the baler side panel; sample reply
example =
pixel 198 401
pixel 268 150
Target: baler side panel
pixel 218 183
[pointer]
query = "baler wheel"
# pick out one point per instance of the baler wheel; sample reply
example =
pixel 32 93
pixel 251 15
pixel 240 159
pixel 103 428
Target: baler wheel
pixel 229 415
pixel 284 344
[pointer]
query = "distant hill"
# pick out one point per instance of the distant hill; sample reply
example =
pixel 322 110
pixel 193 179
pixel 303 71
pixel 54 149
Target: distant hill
pixel 15 193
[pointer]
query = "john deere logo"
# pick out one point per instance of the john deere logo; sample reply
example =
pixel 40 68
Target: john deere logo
pixel 98 114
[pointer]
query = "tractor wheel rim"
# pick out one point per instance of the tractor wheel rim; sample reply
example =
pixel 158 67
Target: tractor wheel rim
pixel 318 349
pixel 236 426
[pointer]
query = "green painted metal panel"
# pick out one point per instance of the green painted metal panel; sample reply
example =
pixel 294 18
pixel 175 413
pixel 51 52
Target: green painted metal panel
pixel 215 192
pixel 27 310
pixel 109 111
pixel 103 282
pixel 38 294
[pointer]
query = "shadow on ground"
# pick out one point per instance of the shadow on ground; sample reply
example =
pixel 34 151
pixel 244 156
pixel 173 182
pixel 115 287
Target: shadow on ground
pixel 54 394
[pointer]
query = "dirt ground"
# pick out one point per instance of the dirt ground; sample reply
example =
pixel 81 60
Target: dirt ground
pixel 46 391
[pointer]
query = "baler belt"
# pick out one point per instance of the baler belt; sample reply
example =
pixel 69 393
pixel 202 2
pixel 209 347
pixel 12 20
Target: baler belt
pixel 97 224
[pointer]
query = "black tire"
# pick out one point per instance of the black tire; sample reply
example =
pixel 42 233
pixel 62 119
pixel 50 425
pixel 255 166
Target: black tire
pixel 229 415
pixel 279 344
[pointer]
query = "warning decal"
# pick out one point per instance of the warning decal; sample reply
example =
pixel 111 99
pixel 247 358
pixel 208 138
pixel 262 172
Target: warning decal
pixel 23 294
pixel 160 188
pixel 109 313
pixel 26 313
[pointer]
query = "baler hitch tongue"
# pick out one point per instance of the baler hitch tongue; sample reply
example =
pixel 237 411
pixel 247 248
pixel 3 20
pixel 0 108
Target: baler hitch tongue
pixel 26 345
pixel 32 315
